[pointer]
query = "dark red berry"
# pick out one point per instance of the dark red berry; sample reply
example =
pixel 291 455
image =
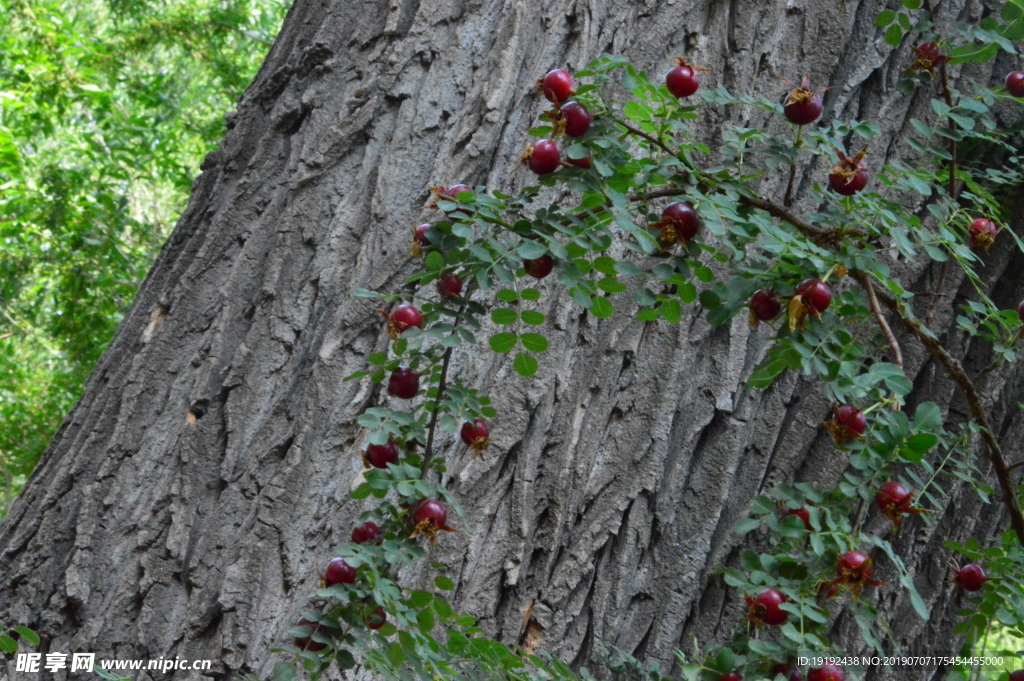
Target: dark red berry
pixel 1015 84
pixel 848 423
pixel 538 268
pixel 404 383
pixel 783 668
pixel 450 285
pixel 1020 310
pixel 848 176
pixel 376 619
pixel 429 517
pixel 476 434
pixel 557 86
pixel 732 676
pixel 1019 674
pixel 895 500
pixel 802 107
pixel 854 568
pixel 339 572
pixel 543 157
pixel 307 642
pixel 764 306
pixel 804 514
pixel 584 162
pixel 421 235
pixel 764 608
pixel 684 220
pixel 815 295
pixel 405 317
pixel 367 532
pixel 970 577
pixel 379 456
pixel 576 119
pixel 826 672
pixel 982 232
pixel 683 80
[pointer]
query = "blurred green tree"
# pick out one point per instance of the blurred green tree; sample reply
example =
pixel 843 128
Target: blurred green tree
pixel 107 108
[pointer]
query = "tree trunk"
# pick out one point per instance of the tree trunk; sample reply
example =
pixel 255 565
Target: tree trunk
pixel 188 501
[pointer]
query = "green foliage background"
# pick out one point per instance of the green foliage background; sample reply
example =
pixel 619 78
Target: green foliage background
pixel 107 108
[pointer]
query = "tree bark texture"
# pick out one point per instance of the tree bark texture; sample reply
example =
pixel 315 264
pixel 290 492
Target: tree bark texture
pixel 188 501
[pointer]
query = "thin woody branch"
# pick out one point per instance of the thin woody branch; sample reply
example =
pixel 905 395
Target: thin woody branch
pixel 882 323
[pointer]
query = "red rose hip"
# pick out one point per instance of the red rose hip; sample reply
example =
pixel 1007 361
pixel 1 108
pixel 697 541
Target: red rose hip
pixel 367 532
pixel 379 456
pixel 403 318
pixel 731 676
pixel 404 383
pixel 849 176
pixel 376 619
pixel 764 608
pixel 848 423
pixel 1015 84
pixel 339 572
pixel 576 119
pixel 783 668
pixel 764 306
pixel 456 189
pixel 683 219
pixel 802 106
pixel 970 577
pixel 815 294
pixel 543 157
pixel 803 514
pixel 557 86
pixel 420 235
pixel 429 517
pixel 476 434
pixel 982 232
pixel 683 80
pixel 307 642
pixel 538 268
pixel 450 285
pixel 585 162
pixel 1020 310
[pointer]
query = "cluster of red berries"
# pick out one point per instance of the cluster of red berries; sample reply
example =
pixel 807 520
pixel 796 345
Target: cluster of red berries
pixel 428 517
pixel 570 118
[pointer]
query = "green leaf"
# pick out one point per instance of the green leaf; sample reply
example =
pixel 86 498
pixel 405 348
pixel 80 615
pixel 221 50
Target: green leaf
pixel 507 295
pixel 746 526
pixel 502 342
pixel 532 317
pixel 894 35
pixel 530 294
pixel 8 644
pixel 27 634
pixel 928 416
pixel 435 261
pixel 602 307
pixel 670 310
pixel 534 342
pixel 885 18
pixel 444 584
pixel 283 672
pixel 531 250
pixel 611 285
pixel 525 365
pixel 922 442
pixel 504 316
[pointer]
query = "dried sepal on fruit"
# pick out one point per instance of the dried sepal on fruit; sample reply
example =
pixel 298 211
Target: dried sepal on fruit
pixel 849 175
pixel 802 105
pixel 894 501
pixel 927 57
pixel 847 423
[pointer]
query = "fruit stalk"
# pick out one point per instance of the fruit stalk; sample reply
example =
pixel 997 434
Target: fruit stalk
pixel 787 201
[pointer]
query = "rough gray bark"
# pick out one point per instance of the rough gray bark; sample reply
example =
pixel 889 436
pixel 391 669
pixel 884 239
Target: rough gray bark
pixel 188 501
